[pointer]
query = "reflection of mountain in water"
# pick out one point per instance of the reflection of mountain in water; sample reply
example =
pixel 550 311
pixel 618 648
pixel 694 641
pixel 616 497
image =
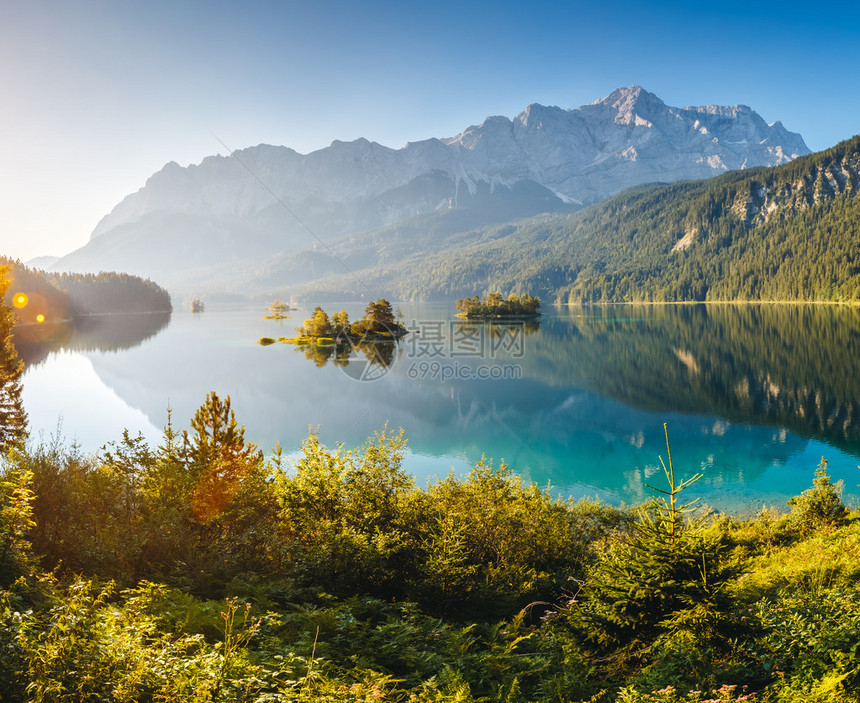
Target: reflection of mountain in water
pixel 586 414
pixel 87 333
pixel 780 365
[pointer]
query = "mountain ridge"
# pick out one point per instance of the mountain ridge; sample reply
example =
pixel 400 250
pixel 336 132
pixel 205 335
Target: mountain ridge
pixel 788 232
pixel 196 223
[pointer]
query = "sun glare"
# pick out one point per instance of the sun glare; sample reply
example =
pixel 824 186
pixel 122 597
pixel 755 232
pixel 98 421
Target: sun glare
pixel 20 300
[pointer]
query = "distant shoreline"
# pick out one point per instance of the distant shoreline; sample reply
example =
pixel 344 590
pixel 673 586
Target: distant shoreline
pixel 497 318
pixel 603 303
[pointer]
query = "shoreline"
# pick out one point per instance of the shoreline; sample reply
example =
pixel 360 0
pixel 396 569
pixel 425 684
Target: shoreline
pixel 846 303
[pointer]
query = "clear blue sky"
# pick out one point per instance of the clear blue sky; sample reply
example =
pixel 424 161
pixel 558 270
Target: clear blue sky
pixel 99 94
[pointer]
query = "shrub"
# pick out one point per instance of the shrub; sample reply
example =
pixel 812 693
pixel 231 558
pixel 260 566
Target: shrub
pixel 812 636
pixel 820 505
pixel 663 589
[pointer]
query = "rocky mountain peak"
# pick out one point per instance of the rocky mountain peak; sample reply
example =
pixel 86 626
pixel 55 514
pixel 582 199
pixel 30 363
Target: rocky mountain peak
pixel 632 102
pixel 545 158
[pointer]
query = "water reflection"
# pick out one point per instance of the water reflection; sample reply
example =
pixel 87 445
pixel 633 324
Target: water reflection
pixel 376 353
pixel 497 328
pixel 748 392
pixel 788 366
pixel 105 333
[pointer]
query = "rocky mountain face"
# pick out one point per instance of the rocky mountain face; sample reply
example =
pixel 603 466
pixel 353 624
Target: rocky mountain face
pixel 187 226
pixel 839 175
pixel 782 233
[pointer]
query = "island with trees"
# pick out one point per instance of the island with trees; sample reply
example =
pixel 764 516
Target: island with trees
pixel 277 310
pixel 325 337
pixel 495 307
pixel 379 323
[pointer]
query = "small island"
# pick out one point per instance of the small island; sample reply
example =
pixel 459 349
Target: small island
pixel 277 311
pixel 495 307
pixel 379 324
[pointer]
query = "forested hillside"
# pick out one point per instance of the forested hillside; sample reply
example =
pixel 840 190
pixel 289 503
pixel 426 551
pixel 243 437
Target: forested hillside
pixel 786 233
pixel 783 233
pixel 61 296
pixel 749 364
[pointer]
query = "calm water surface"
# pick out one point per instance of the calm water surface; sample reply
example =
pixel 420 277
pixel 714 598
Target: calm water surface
pixel 753 396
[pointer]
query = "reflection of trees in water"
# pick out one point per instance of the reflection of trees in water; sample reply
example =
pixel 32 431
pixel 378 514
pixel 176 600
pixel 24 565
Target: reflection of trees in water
pixel 382 353
pixel 377 353
pixel 498 329
pixel 89 333
pixel 786 365
pixel 35 342
pixel 320 354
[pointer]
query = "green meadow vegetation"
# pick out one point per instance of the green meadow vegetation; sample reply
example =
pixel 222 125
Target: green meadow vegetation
pixel 202 569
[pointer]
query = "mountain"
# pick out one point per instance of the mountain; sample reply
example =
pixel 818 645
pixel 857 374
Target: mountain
pixel 41 262
pixel 789 232
pixel 213 225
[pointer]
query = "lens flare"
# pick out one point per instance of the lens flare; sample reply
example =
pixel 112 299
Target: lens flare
pixel 40 317
pixel 20 300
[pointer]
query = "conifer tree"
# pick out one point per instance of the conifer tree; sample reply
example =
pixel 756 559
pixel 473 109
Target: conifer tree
pixel 220 457
pixel 13 419
pixel 340 323
pixel 379 316
pixel 319 325
pixel 663 586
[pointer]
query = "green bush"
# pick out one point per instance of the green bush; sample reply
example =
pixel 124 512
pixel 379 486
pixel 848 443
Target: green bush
pixel 820 505
pixel 812 637
pixel 16 523
pixel 367 588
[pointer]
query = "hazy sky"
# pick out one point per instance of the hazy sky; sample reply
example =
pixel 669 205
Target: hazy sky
pixel 98 95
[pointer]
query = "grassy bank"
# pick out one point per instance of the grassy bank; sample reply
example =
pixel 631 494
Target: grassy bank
pixel 199 570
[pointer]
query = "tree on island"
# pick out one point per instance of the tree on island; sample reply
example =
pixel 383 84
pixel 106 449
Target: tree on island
pixel 494 305
pixel 340 322
pixel 278 307
pixel 278 310
pixel 379 321
pixel 319 325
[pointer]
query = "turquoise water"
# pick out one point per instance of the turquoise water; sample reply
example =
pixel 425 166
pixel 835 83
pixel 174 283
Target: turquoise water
pixel 753 396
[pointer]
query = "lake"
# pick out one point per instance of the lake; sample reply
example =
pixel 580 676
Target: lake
pixel 754 396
